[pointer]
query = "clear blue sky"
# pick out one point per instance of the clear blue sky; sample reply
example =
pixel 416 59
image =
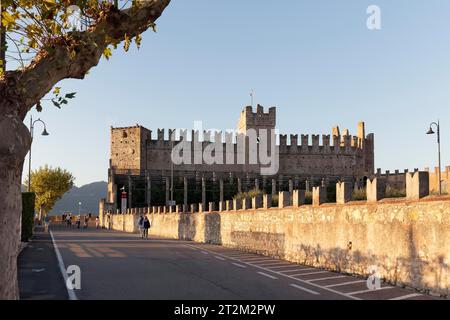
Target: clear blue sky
pixel 314 60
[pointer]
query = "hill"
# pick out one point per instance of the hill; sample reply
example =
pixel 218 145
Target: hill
pixel 88 195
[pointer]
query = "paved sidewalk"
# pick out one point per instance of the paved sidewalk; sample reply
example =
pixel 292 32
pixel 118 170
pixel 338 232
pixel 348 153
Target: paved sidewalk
pixel 39 274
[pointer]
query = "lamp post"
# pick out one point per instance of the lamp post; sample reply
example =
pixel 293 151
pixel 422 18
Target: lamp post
pixel 171 170
pixel 44 133
pixel 79 208
pixel 438 131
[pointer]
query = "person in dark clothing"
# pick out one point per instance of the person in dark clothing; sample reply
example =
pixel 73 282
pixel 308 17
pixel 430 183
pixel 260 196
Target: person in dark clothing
pixel 141 226
pixel 146 227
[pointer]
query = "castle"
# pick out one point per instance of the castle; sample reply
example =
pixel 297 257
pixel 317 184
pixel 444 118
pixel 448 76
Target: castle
pixel 143 167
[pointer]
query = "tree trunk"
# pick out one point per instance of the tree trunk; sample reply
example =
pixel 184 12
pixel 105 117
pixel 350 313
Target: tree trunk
pixel 21 89
pixel 14 144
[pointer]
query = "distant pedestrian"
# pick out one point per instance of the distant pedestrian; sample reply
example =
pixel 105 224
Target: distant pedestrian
pixel 46 223
pixel 97 222
pixel 78 221
pixel 141 226
pixel 86 222
pixel 146 227
pixel 69 221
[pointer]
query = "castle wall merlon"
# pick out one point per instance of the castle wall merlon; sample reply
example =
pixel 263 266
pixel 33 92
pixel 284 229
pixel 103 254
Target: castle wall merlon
pixel 160 134
pixel 172 135
pixel 315 143
pixel 294 140
pixel 347 142
pixel 283 140
pixel 229 137
pixel 183 135
pixel 206 136
pixel 305 141
pixel 218 136
pixel 326 140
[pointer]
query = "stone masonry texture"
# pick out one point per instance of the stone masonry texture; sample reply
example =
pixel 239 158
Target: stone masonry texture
pixel 408 241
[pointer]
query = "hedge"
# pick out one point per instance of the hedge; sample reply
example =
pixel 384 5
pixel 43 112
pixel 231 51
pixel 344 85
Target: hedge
pixel 28 199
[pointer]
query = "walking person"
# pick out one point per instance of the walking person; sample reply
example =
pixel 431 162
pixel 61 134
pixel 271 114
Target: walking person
pixel 146 227
pixel 141 226
pixel 86 222
pixel 46 223
pixel 69 221
pixel 97 222
pixel 78 221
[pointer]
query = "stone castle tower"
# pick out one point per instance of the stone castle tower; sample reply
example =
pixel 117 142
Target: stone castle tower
pixel 256 120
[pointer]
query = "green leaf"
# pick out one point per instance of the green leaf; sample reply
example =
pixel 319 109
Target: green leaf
pixel 56 104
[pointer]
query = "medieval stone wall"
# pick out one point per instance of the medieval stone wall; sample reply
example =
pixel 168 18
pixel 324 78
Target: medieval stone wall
pixel 397 179
pixel 338 155
pixel 408 241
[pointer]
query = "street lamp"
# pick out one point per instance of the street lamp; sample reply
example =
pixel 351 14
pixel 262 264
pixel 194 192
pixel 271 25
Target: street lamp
pixel 79 208
pixel 44 133
pixel 438 131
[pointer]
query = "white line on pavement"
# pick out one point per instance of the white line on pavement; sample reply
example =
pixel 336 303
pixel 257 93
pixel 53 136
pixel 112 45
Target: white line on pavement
pixel 238 265
pixel 259 259
pixel 292 278
pixel 267 275
pixel 300 269
pixel 304 289
pixel 243 256
pixel 204 252
pixel 344 283
pixel 62 268
pixel 369 290
pixel 407 296
pixel 308 274
pixel 220 258
pixel 328 278
pixel 274 264
pixel 286 266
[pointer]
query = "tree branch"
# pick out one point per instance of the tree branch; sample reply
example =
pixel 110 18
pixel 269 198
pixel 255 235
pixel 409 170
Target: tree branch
pixel 24 88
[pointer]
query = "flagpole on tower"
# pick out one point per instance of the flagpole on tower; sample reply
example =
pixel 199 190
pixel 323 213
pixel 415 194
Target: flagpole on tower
pixel 251 97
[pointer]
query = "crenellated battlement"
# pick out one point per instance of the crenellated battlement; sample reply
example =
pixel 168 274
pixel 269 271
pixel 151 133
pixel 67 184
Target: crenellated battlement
pixel 338 154
pixel 313 141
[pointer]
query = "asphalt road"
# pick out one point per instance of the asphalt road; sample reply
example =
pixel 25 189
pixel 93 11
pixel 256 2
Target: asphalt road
pixel 116 265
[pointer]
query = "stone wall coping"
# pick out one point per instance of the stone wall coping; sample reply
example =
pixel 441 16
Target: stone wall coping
pixel 433 198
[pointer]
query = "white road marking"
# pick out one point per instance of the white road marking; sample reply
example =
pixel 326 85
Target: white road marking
pixel 344 283
pixel 62 268
pixel 267 275
pixel 308 273
pixel 238 265
pixel 220 258
pixel 286 266
pixel 243 256
pixel 259 259
pixel 274 264
pixel 204 252
pixel 38 270
pixel 369 290
pixel 407 296
pixel 300 269
pixel 292 278
pixel 328 278
pixel 304 289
